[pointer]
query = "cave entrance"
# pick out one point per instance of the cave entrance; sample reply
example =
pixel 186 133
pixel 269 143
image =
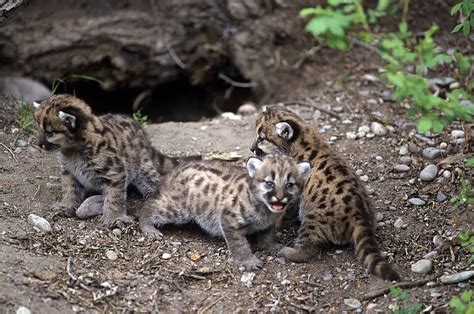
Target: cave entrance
pixel 177 100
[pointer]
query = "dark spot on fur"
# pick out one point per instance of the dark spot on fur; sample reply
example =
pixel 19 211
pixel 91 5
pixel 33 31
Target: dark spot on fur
pixel 347 199
pixel 322 165
pixel 330 178
pixel 311 227
pixel 199 181
pixel 329 213
pixel 333 202
pixel 311 216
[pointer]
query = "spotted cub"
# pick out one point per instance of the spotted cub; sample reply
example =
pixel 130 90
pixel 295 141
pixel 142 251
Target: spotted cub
pixel 228 201
pixel 335 208
pixel 98 155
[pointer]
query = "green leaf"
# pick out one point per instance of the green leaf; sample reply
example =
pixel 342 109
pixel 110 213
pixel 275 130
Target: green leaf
pixel 424 124
pixel 403 27
pixel 308 11
pixel 456 8
pixel 470 162
pixel 466 28
pixel 437 126
pixel 466 296
pixel 316 26
pixel 456 28
pixel 457 305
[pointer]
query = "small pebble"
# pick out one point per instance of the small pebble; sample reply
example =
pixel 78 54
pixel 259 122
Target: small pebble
pixel 416 201
pixel 431 255
pixel 90 207
pixel 447 174
pixel 438 240
pixel 39 223
pixel 423 266
pixel 459 277
pixel 370 135
pixel 346 121
pixel 166 256
pixel 379 217
pixel 443 145
pixel 333 138
pixel 247 279
pixel 327 277
pixel 379 158
pixel 457 134
pixel 440 197
pixel 364 178
pixel 285 282
pixel 111 255
pixel 247 109
pixel 378 129
pixel 352 303
pixel 403 150
pixel 18 150
pixel 401 168
pixel 117 232
pixel 405 160
pixel 21 143
pixel 351 135
pixel 454 85
pixel 359 172
pixel 398 223
pixel 23 310
pixel 392 208
pixel 363 129
pixel 431 152
pixel 412 148
pixel 429 173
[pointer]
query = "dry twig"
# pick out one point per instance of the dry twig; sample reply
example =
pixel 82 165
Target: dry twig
pixel 404 285
pixel 10 151
pixel 175 57
pixel 207 307
pixel 69 269
pixel 227 79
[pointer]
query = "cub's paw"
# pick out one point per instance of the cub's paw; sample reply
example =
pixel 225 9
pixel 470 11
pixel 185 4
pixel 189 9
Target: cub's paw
pixel 120 222
pixel 251 263
pixel 65 210
pixel 151 232
pixel 294 255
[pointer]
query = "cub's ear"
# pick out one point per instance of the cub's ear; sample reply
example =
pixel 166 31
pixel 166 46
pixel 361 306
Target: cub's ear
pixel 304 168
pixel 36 105
pixel 68 118
pixel 285 130
pixel 253 164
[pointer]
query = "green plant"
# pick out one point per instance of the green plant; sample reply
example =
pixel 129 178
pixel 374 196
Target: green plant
pixel 402 296
pixel 140 117
pixel 467 18
pixel 467 241
pixel 465 196
pixel 463 304
pixel 25 117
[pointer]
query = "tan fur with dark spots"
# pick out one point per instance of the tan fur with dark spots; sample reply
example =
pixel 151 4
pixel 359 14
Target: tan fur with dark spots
pixel 98 155
pixel 225 201
pixel 335 208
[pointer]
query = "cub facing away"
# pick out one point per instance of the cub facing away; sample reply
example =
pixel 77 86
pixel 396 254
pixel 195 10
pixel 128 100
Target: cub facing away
pixel 98 154
pixel 334 208
pixel 227 201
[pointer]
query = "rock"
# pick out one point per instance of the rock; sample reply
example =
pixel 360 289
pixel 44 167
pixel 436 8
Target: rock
pixel 398 223
pixel 370 135
pixel 416 201
pixel 378 129
pixel 379 158
pixel 440 197
pixel 166 256
pixel 370 78
pixel 23 310
pixel 117 232
pixel 352 303
pixel 454 85
pixel 363 129
pixel 23 88
pixel 458 277
pixel 351 135
pixel 39 223
pixel 359 172
pixel 443 81
pixel 438 240
pixel 405 160
pixel 21 143
pixel 431 152
pixel 429 173
pixel 443 145
pixel 316 116
pixel 379 217
pixel 247 279
pixel 392 208
pixel 430 255
pixel 364 178
pixel 247 109
pixel 423 266
pixel 285 282
pixel 231 116
pixel 111 255
pixel 403 150
pixel 90 207
pixel 346 121
pixel 18 150
pixel 401 168
pixel 412 148
pixel 333 138
pixel 447 174
pixel 327 277
pixel 457 134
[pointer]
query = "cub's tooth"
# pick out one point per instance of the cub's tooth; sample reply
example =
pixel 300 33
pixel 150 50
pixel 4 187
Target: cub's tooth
pixel 273 199
pixel 285 200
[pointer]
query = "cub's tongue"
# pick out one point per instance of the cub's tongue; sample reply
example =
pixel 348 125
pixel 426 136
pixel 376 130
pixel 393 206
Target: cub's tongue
pixel 277 206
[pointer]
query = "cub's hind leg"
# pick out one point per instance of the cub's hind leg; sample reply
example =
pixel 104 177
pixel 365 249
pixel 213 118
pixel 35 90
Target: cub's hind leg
pixel 147 179
pixel 307 246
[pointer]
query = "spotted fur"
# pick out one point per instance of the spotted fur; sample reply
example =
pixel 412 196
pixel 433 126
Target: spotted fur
pixel 226 201
pixel 98 155
pixel 335 208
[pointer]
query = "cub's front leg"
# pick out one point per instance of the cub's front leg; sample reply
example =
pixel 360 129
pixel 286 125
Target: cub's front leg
pixel 239 247
pixel 115 193
pixel 266 240
pixel 73 195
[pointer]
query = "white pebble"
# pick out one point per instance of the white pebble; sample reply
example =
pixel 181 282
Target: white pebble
pixel 403 150
pixel 352 303
pixel 378 129
pixel 39 222
pixel 379 217
pixel 166 256
pixel 423 266
pixel 401 168
pixel 23 310
pixel 429 173
pixel 378 158
pixel 363 129
pixel 351 135
pixel 247 109
pixel 333 138
pixel 364 178
pixel 370 135
pixel 359 172
pixel 247 279
pixel 398 223
pixel 447 174
pixel 457 134
pixel 111 255
pixel 443 145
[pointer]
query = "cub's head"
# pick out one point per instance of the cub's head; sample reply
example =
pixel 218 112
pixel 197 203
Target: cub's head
pixel 277 128
pixel 59 120
pixel 278 180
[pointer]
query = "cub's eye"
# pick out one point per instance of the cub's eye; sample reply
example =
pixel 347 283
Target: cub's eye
pixel 270 184
pixel 289 185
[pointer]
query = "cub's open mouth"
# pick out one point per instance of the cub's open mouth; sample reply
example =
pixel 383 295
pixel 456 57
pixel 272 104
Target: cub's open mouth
pixel 278 206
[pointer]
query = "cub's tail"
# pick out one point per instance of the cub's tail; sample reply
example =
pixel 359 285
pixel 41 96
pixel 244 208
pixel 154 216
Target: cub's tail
pixel 368 252
pixel 166 163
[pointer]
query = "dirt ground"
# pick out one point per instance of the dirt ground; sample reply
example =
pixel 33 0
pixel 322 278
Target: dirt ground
pixel 69 269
